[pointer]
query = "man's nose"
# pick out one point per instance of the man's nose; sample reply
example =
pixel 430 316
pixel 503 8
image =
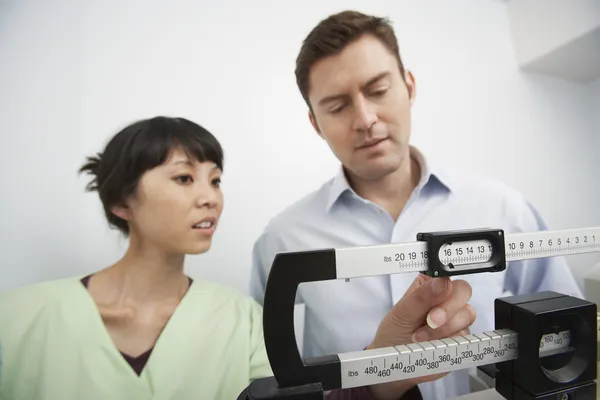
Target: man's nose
pixel 364 114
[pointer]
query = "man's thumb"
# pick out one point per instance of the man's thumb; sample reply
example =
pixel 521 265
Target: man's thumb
pixel 410 312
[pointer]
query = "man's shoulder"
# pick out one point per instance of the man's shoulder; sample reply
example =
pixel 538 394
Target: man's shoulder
pixel 475 185
pixel 492 199
pixel 306 209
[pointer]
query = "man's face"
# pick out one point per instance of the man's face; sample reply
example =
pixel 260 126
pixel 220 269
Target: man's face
pixel 361 107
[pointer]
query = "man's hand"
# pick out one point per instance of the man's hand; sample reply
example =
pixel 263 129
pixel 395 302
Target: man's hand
pixel 431 308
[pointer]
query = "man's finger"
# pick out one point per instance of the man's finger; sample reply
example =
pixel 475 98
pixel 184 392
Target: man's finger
pixel 456 325
pixel 461 294
pixel 419 281
pixel 424 294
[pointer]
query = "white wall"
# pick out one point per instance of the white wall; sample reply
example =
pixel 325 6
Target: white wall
pixel 72 73
pixel 542 26
pixel 40 119
pixel 594 108
pixel 558 38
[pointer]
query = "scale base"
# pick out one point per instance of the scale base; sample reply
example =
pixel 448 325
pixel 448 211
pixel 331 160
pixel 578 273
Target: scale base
pixel 484 382
pixel 585 392
pixel 267 388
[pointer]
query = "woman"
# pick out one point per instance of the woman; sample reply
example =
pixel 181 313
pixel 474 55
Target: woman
pixel 140 328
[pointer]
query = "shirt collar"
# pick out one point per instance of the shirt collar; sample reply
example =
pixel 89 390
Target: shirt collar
pixel 429 176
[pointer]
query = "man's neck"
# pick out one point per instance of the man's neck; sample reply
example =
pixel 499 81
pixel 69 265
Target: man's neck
pixel 392 191
pixel 144 276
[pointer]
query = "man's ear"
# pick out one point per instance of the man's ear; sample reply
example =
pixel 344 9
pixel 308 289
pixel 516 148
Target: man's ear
pixel 313 122
pixel 411 85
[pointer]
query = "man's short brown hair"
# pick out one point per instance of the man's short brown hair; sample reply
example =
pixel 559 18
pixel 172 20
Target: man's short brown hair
pixel 333 34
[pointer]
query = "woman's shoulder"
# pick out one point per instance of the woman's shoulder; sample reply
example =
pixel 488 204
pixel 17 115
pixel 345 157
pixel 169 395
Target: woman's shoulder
pixel 227 303
pixel 33 298
pixel 41 289
pixel 222 294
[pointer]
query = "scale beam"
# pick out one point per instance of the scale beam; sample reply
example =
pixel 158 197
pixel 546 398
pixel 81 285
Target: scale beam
pixel 415 360
pixel 463 252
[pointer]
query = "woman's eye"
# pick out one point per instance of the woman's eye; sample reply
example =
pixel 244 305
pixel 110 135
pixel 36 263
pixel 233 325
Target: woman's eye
pixel 183 179
pixel 216 182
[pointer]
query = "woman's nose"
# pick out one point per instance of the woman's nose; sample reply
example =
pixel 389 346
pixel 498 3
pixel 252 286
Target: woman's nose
pixel 207 197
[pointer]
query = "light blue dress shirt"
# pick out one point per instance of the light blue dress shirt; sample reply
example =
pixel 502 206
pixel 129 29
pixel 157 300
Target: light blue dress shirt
pixel 343 316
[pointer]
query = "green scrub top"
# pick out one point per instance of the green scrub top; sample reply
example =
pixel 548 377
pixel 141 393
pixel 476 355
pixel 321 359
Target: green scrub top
pixel 54 345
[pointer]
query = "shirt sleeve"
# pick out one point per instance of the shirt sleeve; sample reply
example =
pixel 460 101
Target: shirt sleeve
pixel 261 262
pixel 263 253
pixel 259 361
pixel 534 275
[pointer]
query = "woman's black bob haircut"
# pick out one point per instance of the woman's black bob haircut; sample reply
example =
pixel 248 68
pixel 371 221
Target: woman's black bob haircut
pixel 139 147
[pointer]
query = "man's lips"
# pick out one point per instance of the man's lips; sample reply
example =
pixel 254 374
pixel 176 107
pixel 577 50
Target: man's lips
pixel 371 143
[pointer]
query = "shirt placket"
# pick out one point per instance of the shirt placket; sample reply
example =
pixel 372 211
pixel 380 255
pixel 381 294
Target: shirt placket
pixel 402 232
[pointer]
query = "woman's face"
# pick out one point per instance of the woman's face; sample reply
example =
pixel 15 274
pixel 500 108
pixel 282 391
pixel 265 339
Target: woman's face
pixel 177 205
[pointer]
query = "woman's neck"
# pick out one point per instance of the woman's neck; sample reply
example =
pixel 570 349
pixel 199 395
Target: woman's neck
pixel 144 275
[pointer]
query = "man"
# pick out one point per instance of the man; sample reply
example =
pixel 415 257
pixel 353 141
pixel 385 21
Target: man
pixel 359 97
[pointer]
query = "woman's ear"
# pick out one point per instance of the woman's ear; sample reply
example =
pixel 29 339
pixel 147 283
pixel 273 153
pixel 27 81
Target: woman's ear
pixel 121 212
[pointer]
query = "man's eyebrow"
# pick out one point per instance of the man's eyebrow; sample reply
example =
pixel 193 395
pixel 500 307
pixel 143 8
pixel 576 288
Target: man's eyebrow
pixel 331 99
pixel 377 77
pixel 371 81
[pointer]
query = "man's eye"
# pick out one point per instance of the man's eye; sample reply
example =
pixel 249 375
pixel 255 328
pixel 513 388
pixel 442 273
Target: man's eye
pixel 336 110
pixel 379 92
pixel 217 182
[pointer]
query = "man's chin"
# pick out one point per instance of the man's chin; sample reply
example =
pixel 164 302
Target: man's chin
pixel 377 169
